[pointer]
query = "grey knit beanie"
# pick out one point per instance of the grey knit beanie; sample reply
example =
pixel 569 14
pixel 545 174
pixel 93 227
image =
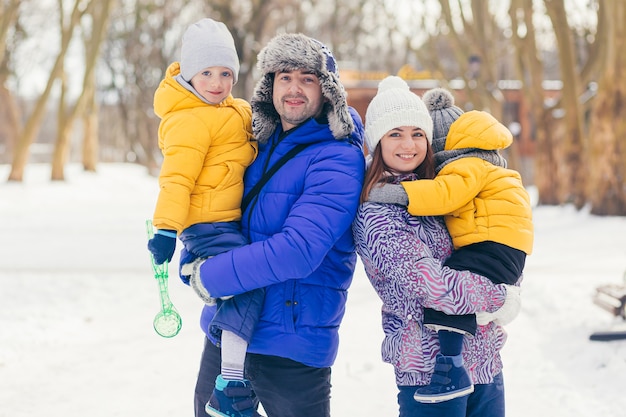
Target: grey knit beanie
pixel 440 104
pixel 208 43
pixel 394 105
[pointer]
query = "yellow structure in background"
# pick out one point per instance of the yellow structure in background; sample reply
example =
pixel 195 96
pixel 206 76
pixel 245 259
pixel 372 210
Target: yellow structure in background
pixel 407 72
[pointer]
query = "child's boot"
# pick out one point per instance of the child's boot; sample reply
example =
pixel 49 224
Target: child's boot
pixel 450 380
pixel 232 398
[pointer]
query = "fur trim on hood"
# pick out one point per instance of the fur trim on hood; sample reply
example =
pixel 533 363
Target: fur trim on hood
pixel 289 52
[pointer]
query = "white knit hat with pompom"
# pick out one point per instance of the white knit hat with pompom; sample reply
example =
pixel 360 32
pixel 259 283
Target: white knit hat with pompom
pixel 393 106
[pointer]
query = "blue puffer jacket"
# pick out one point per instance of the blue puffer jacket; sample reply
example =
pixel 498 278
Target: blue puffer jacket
pixel 301 250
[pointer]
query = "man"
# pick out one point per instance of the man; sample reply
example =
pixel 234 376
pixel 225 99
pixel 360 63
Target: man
pixel 299 226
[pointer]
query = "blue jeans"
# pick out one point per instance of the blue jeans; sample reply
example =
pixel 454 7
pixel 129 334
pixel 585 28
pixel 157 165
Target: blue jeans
pixel 487 400
pixel 284 387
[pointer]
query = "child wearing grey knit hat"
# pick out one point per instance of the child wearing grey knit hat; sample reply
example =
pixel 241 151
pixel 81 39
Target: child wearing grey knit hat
pixel 207 43
pixel 442 110
pixel 488 214
pixel 205 135
pixel 207 49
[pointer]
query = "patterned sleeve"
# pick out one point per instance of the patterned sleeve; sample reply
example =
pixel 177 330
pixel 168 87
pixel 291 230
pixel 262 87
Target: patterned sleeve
pixel 396 250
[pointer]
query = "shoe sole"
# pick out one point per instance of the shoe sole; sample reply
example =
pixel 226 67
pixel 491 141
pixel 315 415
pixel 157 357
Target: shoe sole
pixel 213 412
pixel 443 397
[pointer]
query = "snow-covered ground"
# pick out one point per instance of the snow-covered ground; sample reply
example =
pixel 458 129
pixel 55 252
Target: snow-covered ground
pixel 78 298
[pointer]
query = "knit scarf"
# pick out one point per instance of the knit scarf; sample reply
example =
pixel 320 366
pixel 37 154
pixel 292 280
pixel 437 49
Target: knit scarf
pixel 443 158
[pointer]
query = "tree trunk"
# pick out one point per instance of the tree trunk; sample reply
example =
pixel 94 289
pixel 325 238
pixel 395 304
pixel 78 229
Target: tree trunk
pixel 572 151
pixel 90 131
pixel 10 115
pixel 100 12
pixel 20 156
pixel 530 71
pixel 607 156
pixel 61 146
pixel 546 166
pixel 9 120
pixel 8 16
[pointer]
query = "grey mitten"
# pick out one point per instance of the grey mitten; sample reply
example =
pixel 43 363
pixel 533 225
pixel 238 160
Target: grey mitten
pixel 192 270
pixel 505 314
pixel 390 194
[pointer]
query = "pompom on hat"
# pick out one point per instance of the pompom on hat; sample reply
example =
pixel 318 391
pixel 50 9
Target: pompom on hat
pixel 208 43
pixel 292 52
pixel 393 106
pixel 440 105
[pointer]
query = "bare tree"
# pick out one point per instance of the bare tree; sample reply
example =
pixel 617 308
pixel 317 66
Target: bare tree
pixel 468 42
pixel 573 176
pixel 137 52
pixel 560 129
pixel 99 13
pixel 21 152
pixel 607 156
pixel 10 112
pixel 530 71
pixel 7 20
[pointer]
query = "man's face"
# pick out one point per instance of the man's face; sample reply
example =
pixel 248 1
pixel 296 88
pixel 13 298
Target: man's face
pixel 297 97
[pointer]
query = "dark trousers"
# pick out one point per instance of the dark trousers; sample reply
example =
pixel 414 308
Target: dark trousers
pixel 487 400
pixel 284 387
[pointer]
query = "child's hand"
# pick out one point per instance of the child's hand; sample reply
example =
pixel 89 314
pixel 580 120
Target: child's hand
pixel 162 245
pixel 390 194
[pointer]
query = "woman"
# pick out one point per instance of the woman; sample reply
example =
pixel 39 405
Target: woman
pixel 403 256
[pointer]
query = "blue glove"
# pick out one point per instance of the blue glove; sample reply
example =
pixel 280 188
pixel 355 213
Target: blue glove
pixel 162 245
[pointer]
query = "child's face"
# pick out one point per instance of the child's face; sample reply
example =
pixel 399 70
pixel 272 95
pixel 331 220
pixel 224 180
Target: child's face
pixel 213 83
pixel 404 148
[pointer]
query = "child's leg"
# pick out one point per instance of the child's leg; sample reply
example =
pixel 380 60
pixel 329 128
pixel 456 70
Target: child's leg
pixel 234 325
pixel 450 342
pixel 450 379
pixel 233 355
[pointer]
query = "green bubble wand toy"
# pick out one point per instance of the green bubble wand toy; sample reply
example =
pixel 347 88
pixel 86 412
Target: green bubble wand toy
pixel 167 322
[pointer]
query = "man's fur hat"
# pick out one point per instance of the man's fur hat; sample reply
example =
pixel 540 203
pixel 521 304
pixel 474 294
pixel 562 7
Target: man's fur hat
pixel 290 52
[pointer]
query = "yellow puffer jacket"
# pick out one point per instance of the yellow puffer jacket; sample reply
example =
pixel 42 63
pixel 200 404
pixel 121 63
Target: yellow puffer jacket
pixel 206 149
pixel 480 201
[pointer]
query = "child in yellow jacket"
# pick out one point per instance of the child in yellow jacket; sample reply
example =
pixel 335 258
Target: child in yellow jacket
pixel 206 139
pixel 488 214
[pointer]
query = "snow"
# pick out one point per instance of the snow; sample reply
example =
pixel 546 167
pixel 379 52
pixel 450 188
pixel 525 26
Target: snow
pixel 78 299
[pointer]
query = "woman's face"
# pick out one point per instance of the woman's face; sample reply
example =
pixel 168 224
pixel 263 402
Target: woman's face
pixel 404 148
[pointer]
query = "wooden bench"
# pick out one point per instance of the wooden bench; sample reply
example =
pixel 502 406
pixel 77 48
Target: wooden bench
pixel 612 298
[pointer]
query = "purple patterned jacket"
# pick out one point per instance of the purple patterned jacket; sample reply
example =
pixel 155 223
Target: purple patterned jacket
pixel 403 256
